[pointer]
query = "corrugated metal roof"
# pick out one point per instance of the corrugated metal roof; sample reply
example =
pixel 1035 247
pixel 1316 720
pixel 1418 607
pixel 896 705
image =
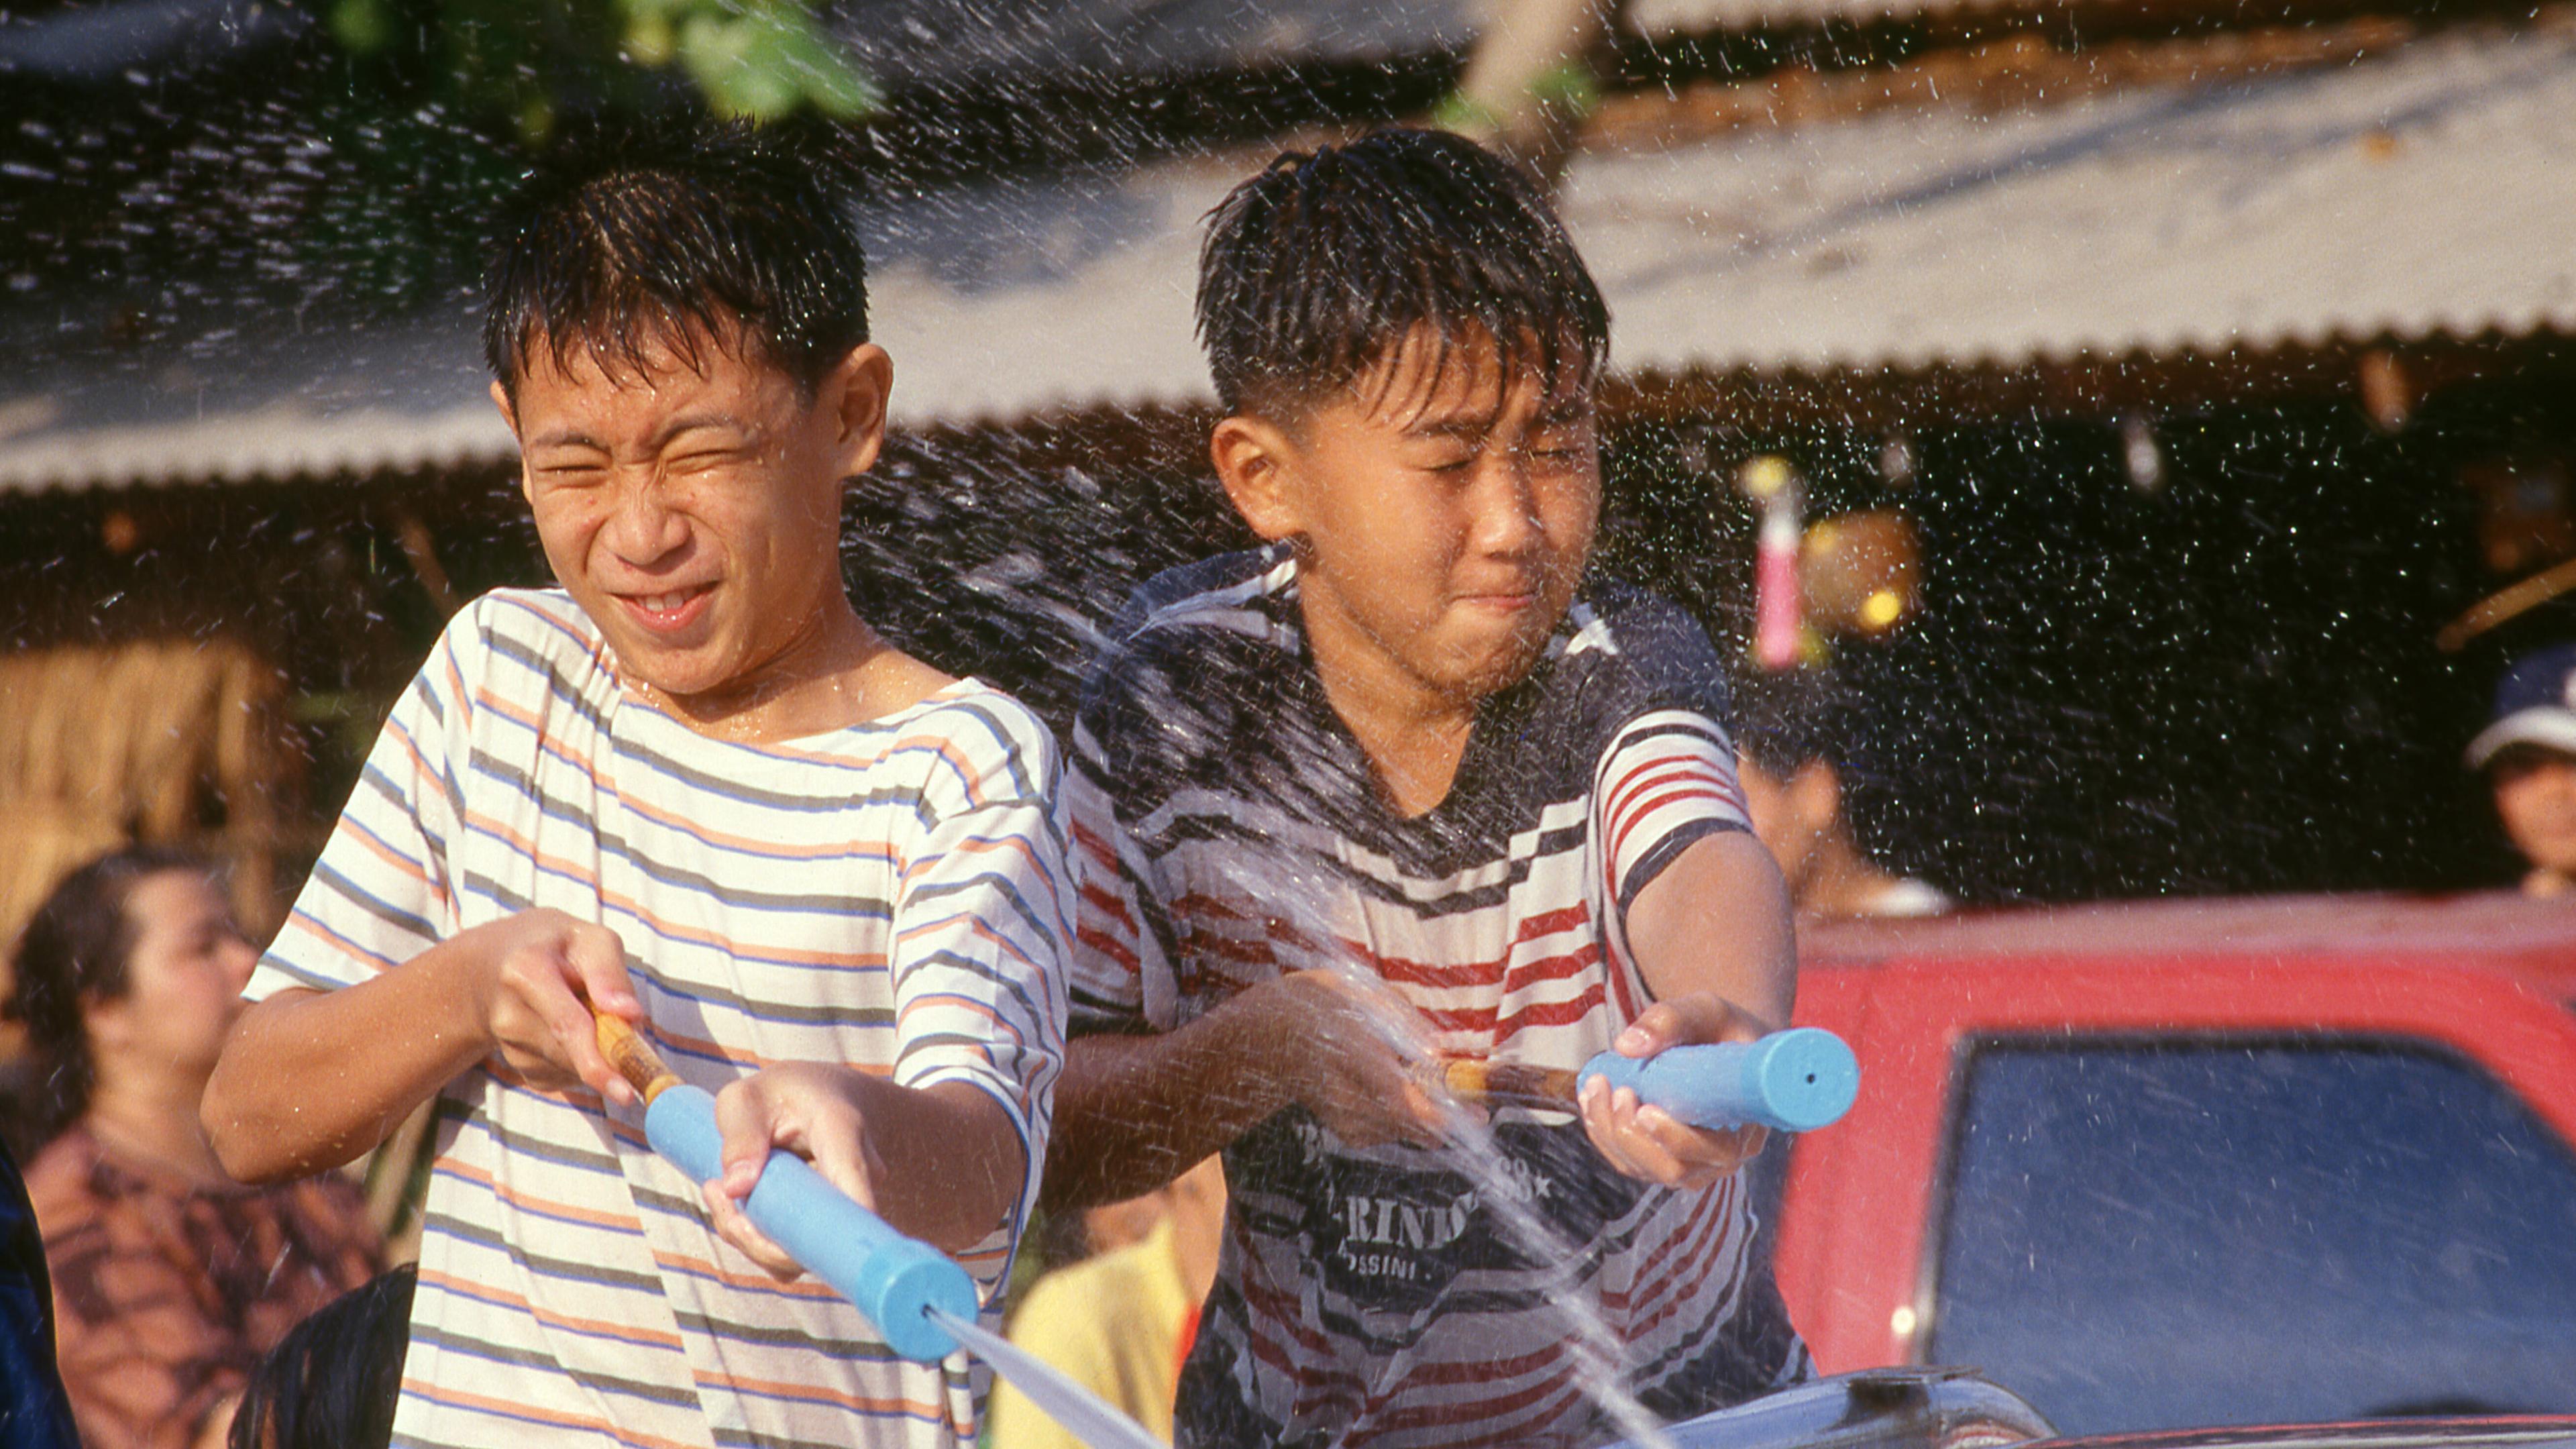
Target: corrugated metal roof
pixel 1659 19
pixel 2431 193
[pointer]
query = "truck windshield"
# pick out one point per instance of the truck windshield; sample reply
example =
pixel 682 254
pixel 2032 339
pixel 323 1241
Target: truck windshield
pixel 2142 1233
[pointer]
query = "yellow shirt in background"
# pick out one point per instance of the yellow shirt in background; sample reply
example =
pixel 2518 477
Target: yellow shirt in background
pixel 1113 1324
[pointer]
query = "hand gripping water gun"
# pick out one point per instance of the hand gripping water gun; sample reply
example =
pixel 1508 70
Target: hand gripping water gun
pixel 918 1298
pixel 1790 1081
pixel 896 1281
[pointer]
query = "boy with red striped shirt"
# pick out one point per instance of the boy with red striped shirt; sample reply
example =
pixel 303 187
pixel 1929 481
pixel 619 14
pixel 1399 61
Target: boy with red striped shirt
pixel 1406 785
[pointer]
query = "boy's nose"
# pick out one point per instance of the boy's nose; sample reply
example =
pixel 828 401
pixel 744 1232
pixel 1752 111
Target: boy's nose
pixel 1507 519
pixel 644 528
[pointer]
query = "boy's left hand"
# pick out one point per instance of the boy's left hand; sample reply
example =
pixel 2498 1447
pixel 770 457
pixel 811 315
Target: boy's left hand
pixel 1648 1143
pixel 806 1108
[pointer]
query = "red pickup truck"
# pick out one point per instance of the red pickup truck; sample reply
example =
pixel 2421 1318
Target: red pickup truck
pixel 2192 1163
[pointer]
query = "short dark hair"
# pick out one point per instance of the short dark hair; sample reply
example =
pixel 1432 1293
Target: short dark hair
pixel 1318 267
pixel 625 237
pixel 1788 719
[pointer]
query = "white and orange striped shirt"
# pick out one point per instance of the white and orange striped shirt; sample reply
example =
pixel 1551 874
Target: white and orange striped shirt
pixel 892 896
pixel 1227 830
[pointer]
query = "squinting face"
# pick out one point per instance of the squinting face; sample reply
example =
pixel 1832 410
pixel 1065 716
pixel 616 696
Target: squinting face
pixel 184 977
pixel 1442 521
pixel 694 513
pixel 2535 795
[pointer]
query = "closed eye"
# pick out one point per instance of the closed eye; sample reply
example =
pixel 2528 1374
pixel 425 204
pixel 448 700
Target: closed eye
pixel 701 459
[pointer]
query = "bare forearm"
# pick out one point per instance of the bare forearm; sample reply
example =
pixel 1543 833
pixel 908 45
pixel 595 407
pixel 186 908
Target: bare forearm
pixel 953 1165
pixel 1134 1112
pixel 311 1080
pixel 1717 921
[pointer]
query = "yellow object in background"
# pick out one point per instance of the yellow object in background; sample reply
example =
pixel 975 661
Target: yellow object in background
pixel 1113 1324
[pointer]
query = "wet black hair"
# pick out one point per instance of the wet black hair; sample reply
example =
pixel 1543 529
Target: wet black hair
pixel 73 952
pixel 665 233
pixel 1786 720
pixel 1316 269
pixel 332 1381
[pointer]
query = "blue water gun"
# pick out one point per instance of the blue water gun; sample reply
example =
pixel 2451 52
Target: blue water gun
pixel 1790 1081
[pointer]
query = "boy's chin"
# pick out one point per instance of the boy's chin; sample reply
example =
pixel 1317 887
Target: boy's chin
pixel 1495 670
pixel 677 675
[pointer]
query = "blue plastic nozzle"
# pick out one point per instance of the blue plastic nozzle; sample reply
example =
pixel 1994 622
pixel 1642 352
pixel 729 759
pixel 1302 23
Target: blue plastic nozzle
pixel 1791 1081
pixel 893 1279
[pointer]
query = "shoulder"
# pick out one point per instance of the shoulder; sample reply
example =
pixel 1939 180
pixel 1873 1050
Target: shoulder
pixel 534 635
pixel 65 1185
pixel 1625 649
pixel 987 737
pixel 1226 617
pixel 1076 1300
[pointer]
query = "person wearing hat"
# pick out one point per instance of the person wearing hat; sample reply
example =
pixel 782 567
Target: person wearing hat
pixel 2529 755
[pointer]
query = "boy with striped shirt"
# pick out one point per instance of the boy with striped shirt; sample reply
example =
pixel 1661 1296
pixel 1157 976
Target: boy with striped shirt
pixel 693 788
pixel 1406 785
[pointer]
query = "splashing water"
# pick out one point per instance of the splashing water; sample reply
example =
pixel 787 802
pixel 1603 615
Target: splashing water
pixel 1467 1142
pixel 1599 1354
pixel 1079 1410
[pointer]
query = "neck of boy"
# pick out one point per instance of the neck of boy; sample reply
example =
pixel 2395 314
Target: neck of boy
pixel 833 672
pixel 1413 733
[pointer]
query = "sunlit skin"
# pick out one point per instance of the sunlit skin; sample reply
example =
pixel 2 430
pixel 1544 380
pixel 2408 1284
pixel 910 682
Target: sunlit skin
pixel 691 507
pixel 155 1044
pixel 694 513
pixel 1442 515
pixel 2535 797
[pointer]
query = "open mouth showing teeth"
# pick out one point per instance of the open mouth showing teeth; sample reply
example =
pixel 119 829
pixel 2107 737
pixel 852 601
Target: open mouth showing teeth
pixel 665 603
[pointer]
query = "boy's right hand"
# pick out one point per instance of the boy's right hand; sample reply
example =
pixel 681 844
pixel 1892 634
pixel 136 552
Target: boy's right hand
pixel 1344 1058
pixel 542 971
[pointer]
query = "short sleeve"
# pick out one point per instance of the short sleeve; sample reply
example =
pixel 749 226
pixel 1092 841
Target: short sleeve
pixel 981 917
pixel 1665 775
pixel 380 894
pixel 1667 781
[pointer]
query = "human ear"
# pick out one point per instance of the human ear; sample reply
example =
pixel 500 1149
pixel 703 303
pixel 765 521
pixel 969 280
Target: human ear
pixel 510 416
pixel 856 393
pixel 1253 460
pixel 108 1022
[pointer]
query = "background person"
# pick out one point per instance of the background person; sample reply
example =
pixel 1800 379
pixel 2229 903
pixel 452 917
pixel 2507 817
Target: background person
pixel 169 1278
pixel 1119 1322
pixel 1793 732
pixel 2528 753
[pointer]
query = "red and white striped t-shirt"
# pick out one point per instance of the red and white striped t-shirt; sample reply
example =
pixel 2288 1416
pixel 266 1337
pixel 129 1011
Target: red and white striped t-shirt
pixel 1227 830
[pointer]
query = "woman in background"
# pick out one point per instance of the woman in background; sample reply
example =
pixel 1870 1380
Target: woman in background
pixel 170 1280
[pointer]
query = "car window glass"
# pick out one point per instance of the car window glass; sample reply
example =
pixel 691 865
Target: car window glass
pixel 2145 1235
